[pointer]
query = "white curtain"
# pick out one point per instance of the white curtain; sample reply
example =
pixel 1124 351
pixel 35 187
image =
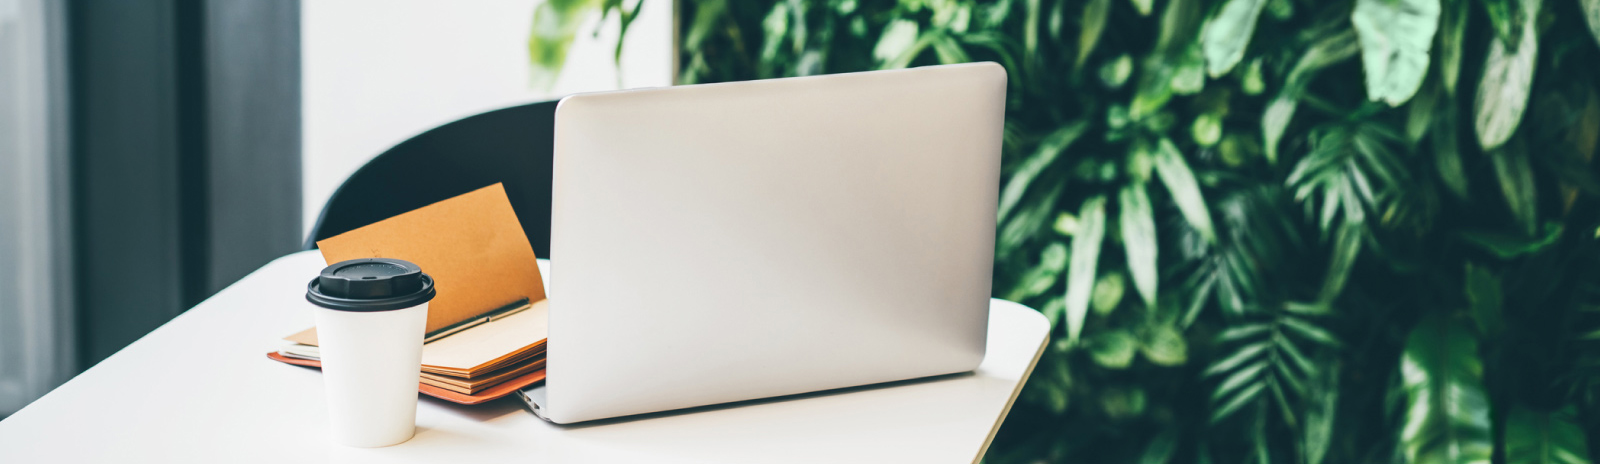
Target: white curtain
pixel 37 349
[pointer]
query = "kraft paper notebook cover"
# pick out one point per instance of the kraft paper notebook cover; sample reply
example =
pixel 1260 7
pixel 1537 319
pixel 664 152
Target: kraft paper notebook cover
pixel 472 246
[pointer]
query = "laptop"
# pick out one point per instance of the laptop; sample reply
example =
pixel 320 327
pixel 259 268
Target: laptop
pixel 727 242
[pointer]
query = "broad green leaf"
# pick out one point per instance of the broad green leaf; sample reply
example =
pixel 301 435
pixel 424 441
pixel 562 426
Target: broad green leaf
pixel 1512 168
pixel 1545 437
pixel 1228 33
pixel 776 26
pixel 1114 73
pixel 1591 13
pixel 1175 173
pixel 1139 239
pixel 1113 349
pixel 1081 270
pixel 948 50
pixel 1507 77
pixel 1206 130
pixel 1452 31
pixel 1108 292
pixel 1484 300
pixel 1321 413
pixel 1252 83
pixel 556 23
pixel 1094 23
pixel 1161 447
pixel 1346 247
pixel 1506 18
pixel 1164 345
pixel 1507 246
pixel 1144 7
pixel 1420 113
pixel 1052 261
pixel 1030 32
pixel 708 14
pixel 897 38
pixel 1049 150
pixel 1447 412
pixel 1446 154
pixel 1395 38
pixel 1190 76
pixel 1280 111
pixel 1027 223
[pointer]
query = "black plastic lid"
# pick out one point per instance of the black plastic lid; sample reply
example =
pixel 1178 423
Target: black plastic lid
pixel 371 284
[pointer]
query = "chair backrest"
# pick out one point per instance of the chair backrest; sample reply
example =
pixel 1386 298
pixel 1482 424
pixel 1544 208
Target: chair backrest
pixel 512 146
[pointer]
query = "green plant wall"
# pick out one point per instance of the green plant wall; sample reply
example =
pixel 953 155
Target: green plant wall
pixel 1297 231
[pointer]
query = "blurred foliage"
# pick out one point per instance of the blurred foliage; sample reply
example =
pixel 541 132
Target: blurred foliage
pixel 1300 231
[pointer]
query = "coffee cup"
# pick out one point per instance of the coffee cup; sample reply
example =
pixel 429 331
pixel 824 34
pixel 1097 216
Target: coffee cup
pixel 371 318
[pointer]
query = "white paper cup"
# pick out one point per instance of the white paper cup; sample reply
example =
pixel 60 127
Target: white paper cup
pixel 371 318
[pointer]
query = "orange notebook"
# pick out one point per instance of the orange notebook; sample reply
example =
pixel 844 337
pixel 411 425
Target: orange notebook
pixel 487 279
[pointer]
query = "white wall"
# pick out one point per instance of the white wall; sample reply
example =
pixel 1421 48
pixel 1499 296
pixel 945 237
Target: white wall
pixel 377 72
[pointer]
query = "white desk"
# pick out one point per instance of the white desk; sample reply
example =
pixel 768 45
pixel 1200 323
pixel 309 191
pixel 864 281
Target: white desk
pixel 219 399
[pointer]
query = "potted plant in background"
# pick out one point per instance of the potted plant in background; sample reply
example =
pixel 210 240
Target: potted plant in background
pixel 1265 230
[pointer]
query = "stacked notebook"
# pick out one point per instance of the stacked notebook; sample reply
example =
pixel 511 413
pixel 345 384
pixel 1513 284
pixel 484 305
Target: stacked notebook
pixel 471 360
pixel 487 327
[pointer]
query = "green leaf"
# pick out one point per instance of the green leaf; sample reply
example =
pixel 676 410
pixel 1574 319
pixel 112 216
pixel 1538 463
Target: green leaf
pixel 1507 246
pixel 1420 113
pixel 1245 353
pixel 1189 77
pixel 1240 400
pixel 1545 437
pixel 1280 111
pixel 1320 414
pixel 1081 270
pixel 1244 376
pixel 1113 349
pixel 1049 150
pixel 1052 261
pixel 1507 19
pixel 1309 331
pixel 1164 345
pixel 1139 239
pixel 1175 173
pixel 1227 34
pixel 948 50
pixel 1452 32
pixel 1144 7
pixel 1346 247
pixel 1161 446
pixel 1027 223
pixel 1395 38
pixel 1094 23
pixel 1515 174
pixel 555 25
pixel 1591 13
pixel 1484 300
pixel 898 38
pixel 1114 73
pixel 1108 293
pixel 776 26
pixel 1507 77
pixel 1446 154
pixel 1447 411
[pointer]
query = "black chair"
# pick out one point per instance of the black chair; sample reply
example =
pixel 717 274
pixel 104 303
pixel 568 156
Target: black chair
pixel 512 146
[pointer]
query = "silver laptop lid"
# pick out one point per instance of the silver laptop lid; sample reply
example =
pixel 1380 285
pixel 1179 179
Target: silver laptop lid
pixel 726 242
